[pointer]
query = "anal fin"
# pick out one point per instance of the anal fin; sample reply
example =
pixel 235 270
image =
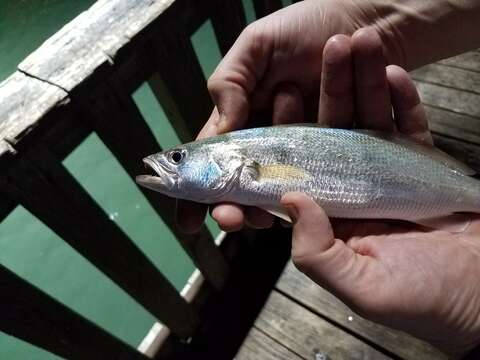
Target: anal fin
pixel 279 212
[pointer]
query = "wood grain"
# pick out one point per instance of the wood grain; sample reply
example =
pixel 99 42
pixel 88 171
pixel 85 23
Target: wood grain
pixel 454 125
pixel 257 346
pixel 23 101
pixel 93 38
pixel 439 74
pixel 309 294
pixel 455 100
pixel 305 333
pixel 467 61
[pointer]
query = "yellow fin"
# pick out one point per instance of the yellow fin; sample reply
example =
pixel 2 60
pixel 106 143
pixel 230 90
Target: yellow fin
pixel 281 172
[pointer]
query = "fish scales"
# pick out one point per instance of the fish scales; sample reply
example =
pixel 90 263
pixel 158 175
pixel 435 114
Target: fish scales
pixel 351 174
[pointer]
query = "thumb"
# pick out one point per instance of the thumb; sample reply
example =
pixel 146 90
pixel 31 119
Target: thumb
pixel 315 251
pixel 236 78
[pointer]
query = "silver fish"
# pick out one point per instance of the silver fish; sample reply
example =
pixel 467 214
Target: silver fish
pixel 350 173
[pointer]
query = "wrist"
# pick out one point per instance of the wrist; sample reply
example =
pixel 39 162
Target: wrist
pixel 419 32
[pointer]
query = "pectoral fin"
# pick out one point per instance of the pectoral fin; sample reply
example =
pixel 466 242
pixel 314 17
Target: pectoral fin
pixel 455 223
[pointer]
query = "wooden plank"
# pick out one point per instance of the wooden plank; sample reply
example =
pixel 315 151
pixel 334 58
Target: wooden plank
pixel 91 40
pixel 449 76
pixel 265 7
pixel 257 345
pixel 451 99
pixel 33 316
pixel 305 333
pixel 228 20
pixel 64 206
pixel 467 61
pixel 110 102
pixel 24 100
pixel 462 151
pixel 461 127
pixel 180 86
pixel 306 292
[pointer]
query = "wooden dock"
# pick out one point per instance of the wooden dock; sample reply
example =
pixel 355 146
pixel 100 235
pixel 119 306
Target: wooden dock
pixel 300 319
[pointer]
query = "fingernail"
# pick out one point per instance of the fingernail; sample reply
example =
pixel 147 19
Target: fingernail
pixel 292 212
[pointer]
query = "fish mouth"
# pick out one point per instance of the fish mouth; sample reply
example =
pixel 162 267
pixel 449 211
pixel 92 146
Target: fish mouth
pixel 159 177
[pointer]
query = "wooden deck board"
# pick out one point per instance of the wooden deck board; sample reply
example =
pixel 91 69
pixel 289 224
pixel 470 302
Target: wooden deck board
pixel 260 346
pixel 468 61
pixel 312 296
pixel 306 333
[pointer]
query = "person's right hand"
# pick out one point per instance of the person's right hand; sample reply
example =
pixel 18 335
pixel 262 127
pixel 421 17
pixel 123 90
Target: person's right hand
pixel 275 64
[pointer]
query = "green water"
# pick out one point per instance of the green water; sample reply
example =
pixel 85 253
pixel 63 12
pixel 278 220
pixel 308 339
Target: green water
pixel 34 252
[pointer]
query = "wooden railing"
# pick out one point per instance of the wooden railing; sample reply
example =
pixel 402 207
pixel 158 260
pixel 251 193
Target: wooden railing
pixel 81 81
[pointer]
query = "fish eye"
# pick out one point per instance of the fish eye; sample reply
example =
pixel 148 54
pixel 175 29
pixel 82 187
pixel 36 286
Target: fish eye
pixel 176 156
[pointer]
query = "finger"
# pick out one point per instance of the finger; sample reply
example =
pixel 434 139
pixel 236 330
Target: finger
pixel 236 77
pixel 409 112
pixel 336 87
pixel 287 105
pixel 258 218
pixel 229 217
pixel 189 216
pixel 315 251
pixel 373 104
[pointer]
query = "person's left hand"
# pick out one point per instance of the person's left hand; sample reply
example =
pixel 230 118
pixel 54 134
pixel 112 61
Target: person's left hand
pixel 418 280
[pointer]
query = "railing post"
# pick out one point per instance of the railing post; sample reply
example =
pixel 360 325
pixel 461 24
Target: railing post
pixel 265 7
pixel 42 185
pixel 31 315
pixel 228 19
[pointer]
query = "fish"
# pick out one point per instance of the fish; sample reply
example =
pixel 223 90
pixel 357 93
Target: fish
pixel 352 174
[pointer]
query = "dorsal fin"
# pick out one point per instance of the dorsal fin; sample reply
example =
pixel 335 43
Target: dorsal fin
pixel 427 150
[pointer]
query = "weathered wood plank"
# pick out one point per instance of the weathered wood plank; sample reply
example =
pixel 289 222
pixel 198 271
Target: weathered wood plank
pixel 449 76
pixel 257 345
pixel 110 102
pixel 90 40
pixel 451 99
pixel 305 333
pixel 461 127
pixel 228 20
pixel 63 205
pixel 306 292
pixel 31 315
pixel 180 86
pixel 462 151
pixel 24 100
pixel 265 7
pixel 467 61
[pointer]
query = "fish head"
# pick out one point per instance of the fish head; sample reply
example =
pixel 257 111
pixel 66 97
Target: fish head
pixel 201 172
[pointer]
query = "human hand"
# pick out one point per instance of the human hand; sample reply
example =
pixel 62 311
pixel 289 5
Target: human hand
pixel 421 281
pixel 276 65
pixel 418 280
